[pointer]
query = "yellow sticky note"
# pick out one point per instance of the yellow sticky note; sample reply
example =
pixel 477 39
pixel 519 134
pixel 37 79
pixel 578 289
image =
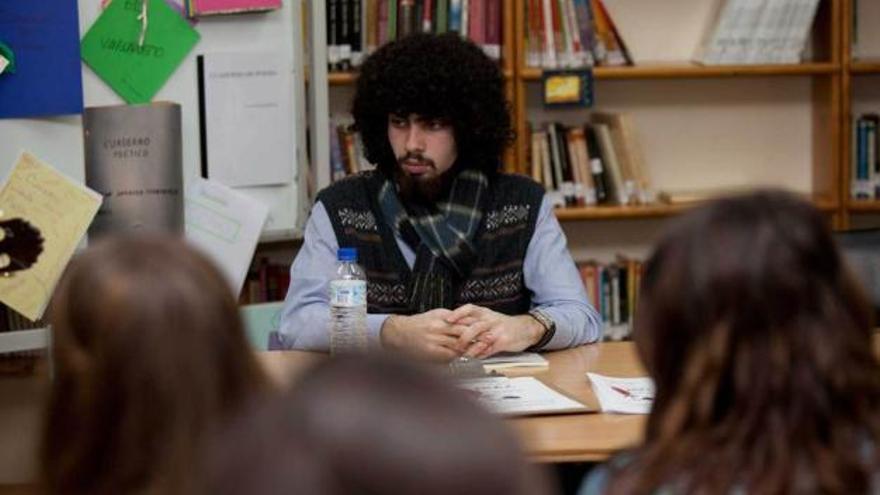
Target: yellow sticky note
pixel 62 210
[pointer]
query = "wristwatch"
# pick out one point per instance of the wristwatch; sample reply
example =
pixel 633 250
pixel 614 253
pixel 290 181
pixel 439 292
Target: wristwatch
pixel 549 328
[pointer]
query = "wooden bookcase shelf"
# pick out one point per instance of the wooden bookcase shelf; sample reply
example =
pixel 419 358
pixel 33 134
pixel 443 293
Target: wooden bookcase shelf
pixel 616 212
pixel 863 206
pixel 865 66
pixel 349 78
pixel 637 212
pixel 691 71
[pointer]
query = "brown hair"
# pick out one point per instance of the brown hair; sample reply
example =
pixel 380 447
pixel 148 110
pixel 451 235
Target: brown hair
pixel 149 354
pixel 368 425
pixel 759 342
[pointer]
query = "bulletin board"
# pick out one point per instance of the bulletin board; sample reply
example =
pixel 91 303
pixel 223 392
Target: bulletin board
pixel 58 140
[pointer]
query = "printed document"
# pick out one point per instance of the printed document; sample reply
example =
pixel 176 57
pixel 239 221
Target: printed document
pixel 248 118
pixel 225 224
pixel 520 396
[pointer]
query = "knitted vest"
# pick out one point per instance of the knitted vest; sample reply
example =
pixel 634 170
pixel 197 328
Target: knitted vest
pixel 496 280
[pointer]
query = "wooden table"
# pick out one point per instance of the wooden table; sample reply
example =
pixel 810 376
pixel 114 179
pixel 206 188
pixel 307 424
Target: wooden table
pixel 556 438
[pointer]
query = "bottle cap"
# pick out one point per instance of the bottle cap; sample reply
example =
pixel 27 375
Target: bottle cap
pixel 347 254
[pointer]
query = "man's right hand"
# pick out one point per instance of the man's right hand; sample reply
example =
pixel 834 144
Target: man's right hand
pixel 426 335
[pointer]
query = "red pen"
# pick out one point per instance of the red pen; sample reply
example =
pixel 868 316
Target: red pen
pixel 622 391
pixel 626 393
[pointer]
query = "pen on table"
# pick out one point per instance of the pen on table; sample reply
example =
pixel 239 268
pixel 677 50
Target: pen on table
pixel 627 393
pixel 622 391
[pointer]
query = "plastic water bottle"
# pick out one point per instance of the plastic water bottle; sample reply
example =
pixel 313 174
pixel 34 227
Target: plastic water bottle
pixel 348 305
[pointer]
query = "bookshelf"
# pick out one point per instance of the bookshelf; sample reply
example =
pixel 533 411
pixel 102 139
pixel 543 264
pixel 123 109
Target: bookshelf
pixel 861 76
pixel 809 95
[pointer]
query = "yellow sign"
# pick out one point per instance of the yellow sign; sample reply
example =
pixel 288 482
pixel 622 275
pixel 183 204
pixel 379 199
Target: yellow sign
pixel 62 210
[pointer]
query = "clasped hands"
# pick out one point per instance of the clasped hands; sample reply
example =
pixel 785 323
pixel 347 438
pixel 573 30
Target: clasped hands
pixel 469 330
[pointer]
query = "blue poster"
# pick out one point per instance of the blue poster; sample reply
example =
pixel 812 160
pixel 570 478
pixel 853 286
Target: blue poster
pixel 43 35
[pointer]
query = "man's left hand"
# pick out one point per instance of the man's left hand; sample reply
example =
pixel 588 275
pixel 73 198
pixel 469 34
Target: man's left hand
pixel 490 332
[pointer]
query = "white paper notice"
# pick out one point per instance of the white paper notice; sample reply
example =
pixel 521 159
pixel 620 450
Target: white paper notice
pixel 225 224
pixel 248 118
pixel 623 395
pixel 520 396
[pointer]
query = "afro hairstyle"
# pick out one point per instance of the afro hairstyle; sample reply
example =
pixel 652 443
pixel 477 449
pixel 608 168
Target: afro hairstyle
pixel 436 77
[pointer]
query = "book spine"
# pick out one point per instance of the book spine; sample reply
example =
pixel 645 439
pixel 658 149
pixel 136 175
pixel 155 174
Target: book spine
pixel 493 28
pixel 344 33
pixel 585 29
pixel 357 32
pixel 442 16
pixel 382 28
pixel 332 31
pixel 407 21
pixel 428 16
pixel 371 14
pixel 455 8
pixel 465 17
pixel 597 169
pixel 392 20
pixel 548 57
pixel 477 22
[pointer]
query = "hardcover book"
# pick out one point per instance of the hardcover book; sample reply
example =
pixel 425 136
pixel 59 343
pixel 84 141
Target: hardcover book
pixel 133 158
pixel 196 8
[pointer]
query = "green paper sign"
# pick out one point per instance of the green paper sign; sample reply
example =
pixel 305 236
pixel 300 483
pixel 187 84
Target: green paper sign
pixel 136 73
pixel 7 55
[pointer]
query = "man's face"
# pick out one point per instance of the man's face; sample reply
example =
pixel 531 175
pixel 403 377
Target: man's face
pixel 425 150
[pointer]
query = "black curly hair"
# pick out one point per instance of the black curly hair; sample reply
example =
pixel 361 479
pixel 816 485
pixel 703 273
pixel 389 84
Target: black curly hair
pixel 434 76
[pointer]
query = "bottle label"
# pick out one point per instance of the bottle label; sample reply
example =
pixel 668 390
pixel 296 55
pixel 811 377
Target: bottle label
pixel 348 293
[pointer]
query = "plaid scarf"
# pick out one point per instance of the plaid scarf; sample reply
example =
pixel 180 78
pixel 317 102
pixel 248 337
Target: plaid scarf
pixel 442 237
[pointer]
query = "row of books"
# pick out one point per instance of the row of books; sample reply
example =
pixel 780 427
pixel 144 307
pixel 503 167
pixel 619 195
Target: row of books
pixel 759 32
pixel 346 152
pixel 571 34
pixel 866 158
pixel 356 27
pixel 600 162
pixel 265 282
pixel 613 289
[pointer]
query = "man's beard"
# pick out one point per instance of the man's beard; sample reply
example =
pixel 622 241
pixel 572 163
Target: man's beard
pixel 424 191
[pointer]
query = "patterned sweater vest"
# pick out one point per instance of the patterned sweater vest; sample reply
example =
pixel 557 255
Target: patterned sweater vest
pixel 496 280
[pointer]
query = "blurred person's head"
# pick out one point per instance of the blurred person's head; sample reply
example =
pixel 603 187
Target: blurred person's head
pixel 367 425
pixel 149 354
pixel 759 342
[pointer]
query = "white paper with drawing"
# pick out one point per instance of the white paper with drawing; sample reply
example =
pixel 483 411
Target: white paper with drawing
pixel 248 118
pixel 623 395
pixel 226 225
pixel 62 210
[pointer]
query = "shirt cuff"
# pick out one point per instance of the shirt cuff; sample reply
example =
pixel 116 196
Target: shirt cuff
pixel 374 328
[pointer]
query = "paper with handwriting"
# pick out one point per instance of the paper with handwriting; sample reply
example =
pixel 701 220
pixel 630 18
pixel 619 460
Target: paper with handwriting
pixel 62 210
pixel 623 395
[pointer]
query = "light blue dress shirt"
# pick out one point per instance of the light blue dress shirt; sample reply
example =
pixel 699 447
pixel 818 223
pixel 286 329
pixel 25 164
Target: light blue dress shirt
pixel 549 272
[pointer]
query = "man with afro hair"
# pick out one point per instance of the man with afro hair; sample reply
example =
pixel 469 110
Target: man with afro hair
pixel 461 259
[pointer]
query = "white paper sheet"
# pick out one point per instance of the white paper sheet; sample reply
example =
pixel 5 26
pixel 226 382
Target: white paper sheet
pixel 249 118
pixel 226 225
pixel 520 396
pixel 623 395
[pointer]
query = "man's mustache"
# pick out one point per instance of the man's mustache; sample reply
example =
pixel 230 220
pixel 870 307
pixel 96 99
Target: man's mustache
pixel 415 157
